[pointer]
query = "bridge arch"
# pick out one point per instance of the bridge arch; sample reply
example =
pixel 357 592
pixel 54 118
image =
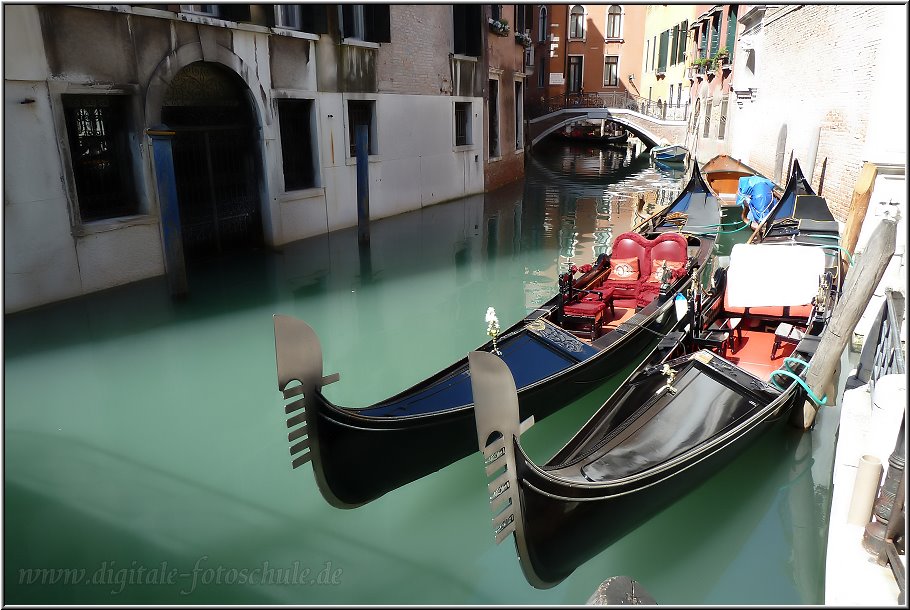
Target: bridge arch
pixel 650 130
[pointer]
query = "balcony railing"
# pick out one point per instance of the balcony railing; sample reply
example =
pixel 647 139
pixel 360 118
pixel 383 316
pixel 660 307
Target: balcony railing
pixel 621 99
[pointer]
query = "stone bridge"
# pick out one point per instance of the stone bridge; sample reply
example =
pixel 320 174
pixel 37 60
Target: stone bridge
pixel 651 130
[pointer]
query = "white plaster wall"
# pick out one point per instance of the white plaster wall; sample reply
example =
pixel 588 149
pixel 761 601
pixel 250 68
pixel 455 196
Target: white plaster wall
pixel 886 132
pixel 120 256
pixel 417 163
pixel 39 256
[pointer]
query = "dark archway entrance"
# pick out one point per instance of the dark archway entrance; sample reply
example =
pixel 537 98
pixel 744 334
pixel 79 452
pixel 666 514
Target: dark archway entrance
pixel 216 160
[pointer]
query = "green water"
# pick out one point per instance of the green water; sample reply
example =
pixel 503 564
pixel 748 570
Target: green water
pixel 146 454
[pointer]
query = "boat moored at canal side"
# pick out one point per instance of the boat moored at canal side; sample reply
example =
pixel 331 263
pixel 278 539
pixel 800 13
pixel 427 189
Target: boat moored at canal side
pixel 716 386
pixel 557 353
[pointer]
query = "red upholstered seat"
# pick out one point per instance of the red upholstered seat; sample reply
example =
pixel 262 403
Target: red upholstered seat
pixel 585 308
pixel 629 245
pixel 665 247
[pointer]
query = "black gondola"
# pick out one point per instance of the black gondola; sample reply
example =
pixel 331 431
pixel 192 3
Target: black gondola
pixel 557 353
pixel 683 414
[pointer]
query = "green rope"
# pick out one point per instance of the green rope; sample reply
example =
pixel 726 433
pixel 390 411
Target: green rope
pixel 819 401
pixel 790 359
pixel 849 256
pixel 745 224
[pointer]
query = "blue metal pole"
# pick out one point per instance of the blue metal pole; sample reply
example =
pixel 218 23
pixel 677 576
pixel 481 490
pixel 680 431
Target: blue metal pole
pixel 174 263
pixel 363 185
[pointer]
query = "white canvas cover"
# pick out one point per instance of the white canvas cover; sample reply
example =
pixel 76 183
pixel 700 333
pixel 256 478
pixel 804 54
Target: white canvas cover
pixel 773 275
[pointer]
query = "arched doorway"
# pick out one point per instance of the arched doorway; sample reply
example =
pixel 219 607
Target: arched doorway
pixel 216 160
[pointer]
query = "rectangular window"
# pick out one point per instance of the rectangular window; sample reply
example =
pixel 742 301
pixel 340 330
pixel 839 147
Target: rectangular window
pixel 647 53
pixel 98 128
pixel 519 117
pixel 496 11
pixel 295 120
pixel 670 99
pixel 362 112
pixel 541 73
pixel 466 23
pixel 529 56
pixel 664 48
pixel 462 123
pixel 575 73
pixel 653 52
pixel 368 22
pixel 522 22
pixel 722 125
pixel 288 16
pixel 577 22
pixel 200 9
pixel 493 113
pixel 611 71
pixel 679 95
pixel 707 128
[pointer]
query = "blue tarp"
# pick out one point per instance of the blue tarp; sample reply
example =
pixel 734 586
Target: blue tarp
pixel 760 198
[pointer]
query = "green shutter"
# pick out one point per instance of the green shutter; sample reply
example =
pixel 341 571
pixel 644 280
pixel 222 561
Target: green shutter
pixel 673 45
pixel 715 34
pixel 731 31
pixel 664 48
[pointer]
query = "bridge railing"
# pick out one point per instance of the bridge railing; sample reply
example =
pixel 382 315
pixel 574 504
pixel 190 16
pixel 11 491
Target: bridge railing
pixel 657 109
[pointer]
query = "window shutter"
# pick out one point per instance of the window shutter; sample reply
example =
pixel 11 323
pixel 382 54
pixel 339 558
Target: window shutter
pixel 715 35
pixel 662 56
pixel 347 20
pixel 683 35
pixel 313 18
pixel 376 22
pixel 674 44
pixel 731 31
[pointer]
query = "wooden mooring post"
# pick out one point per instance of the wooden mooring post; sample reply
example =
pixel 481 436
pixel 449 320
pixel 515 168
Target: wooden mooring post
pixel 363 184
pixel 860 284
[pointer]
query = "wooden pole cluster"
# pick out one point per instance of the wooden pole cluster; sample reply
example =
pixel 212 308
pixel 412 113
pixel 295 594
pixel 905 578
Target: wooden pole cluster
pixel 860 284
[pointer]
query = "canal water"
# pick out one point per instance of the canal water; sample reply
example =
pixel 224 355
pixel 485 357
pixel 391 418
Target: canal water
pixel 146 458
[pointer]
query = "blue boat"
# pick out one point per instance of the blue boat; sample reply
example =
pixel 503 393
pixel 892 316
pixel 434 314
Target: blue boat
pixel 673 153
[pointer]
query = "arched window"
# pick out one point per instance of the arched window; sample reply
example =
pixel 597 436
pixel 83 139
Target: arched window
pixel 542 29
pixel 577 22
pixel 614 22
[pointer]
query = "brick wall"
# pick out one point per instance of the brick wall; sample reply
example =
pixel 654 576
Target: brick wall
pixel 417 62
pixel 816 71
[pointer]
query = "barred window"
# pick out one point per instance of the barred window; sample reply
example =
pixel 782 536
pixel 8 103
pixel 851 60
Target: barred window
pixel 542 32
pixel 462 123
pixel 97 127
pixel 362 112
pixel 295 119
pixel 493 114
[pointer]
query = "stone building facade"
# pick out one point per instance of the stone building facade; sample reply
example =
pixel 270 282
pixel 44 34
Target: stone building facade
pixel 261 103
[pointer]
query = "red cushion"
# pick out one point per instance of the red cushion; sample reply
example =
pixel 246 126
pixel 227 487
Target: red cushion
pixel 675 267
pixel 585 308
pixel 624 269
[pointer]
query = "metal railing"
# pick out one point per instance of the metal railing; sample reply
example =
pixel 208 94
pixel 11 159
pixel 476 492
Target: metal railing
pixel 883 354
pixel 668 111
